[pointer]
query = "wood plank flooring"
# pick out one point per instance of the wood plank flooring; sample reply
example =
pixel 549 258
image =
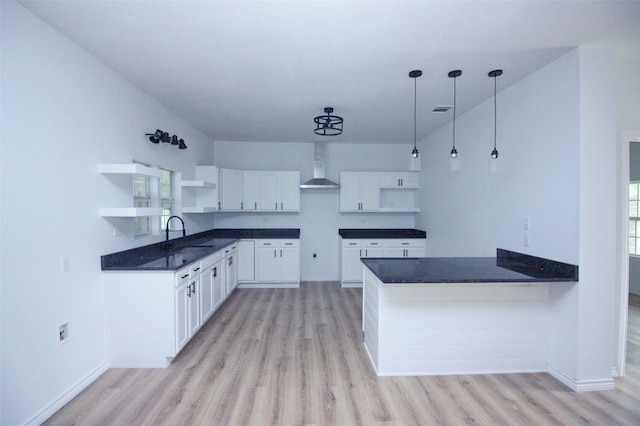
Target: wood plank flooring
pixel 295 357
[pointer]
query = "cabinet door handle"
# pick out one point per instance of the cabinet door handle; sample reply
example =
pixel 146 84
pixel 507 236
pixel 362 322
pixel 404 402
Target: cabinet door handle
pixel 196 270
pixel 275 253
pixel 189 291
pixel 215 272
pixel 219 206
pixel 366 253
pixel 405 244
pixel 280 252
pixel 281 205
pixel 194 287
pixel 184 276
pixel 255 205
pixel 241 205
pixel 276 205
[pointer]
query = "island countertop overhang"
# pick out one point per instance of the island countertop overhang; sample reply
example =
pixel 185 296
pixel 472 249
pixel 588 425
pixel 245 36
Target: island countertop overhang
pixel 507 266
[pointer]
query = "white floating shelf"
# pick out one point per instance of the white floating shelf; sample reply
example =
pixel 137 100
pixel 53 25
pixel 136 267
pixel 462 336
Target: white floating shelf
pixel 198 184
pixel 199 209
pixel 130 211
pixel 129 169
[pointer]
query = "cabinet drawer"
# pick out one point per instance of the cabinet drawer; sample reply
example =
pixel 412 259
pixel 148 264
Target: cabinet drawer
pixel 405 243
pixel 182 276
pixel 289 243
pixel 267 243
pixel 351 243
pixel 372 243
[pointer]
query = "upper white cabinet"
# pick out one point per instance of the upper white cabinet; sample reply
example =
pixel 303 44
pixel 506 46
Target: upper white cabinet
pixel 407 180
pixel 359 192
pixel 128 170
pixel 386 192
pixel 259 191
pixel 230 189
pixel 250 190
pixel 280 191
pixel 201 195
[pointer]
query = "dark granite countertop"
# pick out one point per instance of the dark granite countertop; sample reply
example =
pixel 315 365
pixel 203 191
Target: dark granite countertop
pixel 381 233
pixel 507 266
pixel 186 250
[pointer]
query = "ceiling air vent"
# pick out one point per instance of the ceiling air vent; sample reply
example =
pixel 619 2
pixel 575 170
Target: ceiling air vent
pixel 441 109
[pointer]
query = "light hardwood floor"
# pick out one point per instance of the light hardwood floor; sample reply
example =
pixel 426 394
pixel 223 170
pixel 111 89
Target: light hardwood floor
pixel 295 356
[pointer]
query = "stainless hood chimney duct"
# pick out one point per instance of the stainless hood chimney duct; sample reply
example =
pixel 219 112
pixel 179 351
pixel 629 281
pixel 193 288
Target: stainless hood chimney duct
pixel 319 181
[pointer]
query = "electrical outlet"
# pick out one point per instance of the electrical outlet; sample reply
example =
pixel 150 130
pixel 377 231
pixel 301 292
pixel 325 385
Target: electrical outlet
pixel 526 223
pixel 66 263
pixel 63 333
pixel 527 239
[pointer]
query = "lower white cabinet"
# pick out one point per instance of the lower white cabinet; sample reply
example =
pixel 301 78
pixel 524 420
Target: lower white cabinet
pixel 187 312
pixel 152 315
pixel 352 250
pixel 278 263
pixel 246 261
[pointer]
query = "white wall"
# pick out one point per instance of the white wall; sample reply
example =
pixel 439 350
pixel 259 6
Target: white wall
pixel 319 218
pixel 556 138
pixel 63 113
pixel 471 212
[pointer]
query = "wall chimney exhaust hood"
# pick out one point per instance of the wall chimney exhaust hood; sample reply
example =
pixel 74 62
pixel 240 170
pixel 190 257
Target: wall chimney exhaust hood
pixel 319 180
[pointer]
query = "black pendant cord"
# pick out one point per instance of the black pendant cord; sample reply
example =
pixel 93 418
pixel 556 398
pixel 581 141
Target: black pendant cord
pixel 454 115
pixel 495 113
pixel 495 74
pixel 415 132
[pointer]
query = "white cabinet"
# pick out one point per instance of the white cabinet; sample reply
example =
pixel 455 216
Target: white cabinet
pixel 230 271
pixel 407 180
pixel 351 253
pixel 246 261
pixel 415 247
pixel 219 283
pixel 187 304
pixel 359 191
pixel 280 191
pixel 384 192
pixel 201 195
pixel 127 171
pixel 230 189
pixel 152 315
pixel 250 190
pixel 211 295
pixel 352 250
pixel 278 262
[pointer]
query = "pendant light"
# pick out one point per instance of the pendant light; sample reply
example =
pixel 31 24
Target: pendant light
pixel 454 161
pixel 493 161
pixel 415 155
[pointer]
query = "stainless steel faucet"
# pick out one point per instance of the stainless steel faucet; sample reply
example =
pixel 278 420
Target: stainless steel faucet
pixel 184 233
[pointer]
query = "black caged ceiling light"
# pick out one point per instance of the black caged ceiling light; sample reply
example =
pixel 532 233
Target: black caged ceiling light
pixel 328 125
pixel 162 136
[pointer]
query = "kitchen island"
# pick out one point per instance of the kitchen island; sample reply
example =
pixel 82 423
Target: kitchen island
pixel 437 316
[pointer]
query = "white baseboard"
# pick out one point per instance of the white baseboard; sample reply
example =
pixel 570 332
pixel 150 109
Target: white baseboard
pixel 50 410
pixel 351 285
pixel 581 385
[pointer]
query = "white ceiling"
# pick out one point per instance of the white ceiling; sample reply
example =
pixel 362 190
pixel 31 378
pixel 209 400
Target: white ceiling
pixel 261 70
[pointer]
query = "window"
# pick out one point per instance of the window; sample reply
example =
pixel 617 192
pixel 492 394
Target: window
pixel 166 197
pixel 634 218
pixel 141 198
